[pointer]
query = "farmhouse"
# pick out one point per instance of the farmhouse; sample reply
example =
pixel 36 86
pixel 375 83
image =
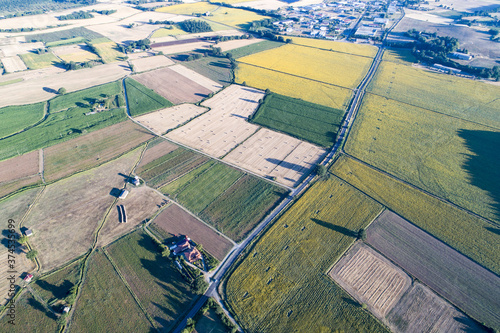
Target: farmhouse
pixel 28 278
pixel 192 254
pixel 28 233
pixel 185 248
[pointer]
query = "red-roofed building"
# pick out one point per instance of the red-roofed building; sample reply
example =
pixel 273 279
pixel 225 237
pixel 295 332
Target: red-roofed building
pixel 28 278
pixel 192 255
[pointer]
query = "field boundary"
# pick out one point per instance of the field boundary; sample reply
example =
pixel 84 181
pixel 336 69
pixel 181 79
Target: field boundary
pixel 330 50
pixel 46 114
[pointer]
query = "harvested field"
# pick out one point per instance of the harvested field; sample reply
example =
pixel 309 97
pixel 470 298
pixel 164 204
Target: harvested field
pixel 75 52
pixel 198 78
pixel 339 69
pixel 13 64
pixel 69 211
pixel 278 156
pixel 164 120
pixel 461 281
pixel 141 99
pixel 11 47
pixel 177 221
pixel 105 303
pixel 156 149
pixel 33 88
pixel 141 203
pixel 19 167
pixel 237 43
pixel 173 86
pixel 371 279
pixel 92 149
pixel 466 233
pixel 216 69
pixel 12 186
pixel 343 47
pixel 107 50
pixel 449 157
pixel 155 280
pixel 183 47
pixel 224 126
pixel 281 285
pixel 420 310
pixel 37 61
pixel 148 63
pixel 292 86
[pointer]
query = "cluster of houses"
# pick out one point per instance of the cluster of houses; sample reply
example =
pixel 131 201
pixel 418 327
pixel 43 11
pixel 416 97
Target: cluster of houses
pixel 186 248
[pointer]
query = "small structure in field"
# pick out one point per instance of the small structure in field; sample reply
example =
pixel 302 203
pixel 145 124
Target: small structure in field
pixel 136 181
pixel 28 278
pixel 186 248
pixel 123 194
pixel 66 309
pixel 181 245
pixel 28 233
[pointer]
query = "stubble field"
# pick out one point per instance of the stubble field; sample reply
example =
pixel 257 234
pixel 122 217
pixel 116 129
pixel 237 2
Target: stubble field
pixel 164 120
pixel 75 52
pixel 149 63
pixel 198 78
pixel 13 64
pixel 19 167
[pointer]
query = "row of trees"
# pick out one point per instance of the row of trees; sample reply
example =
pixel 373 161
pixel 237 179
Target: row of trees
pixel 142 44
pixel 76 16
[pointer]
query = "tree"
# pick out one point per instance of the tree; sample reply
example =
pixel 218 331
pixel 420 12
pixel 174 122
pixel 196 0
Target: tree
pixel 190 322
pixel 31 255
pixel 165 252
pixel 320 170
pixel 132 67
pixel 362 234
pixel 61 91
pixel 23 239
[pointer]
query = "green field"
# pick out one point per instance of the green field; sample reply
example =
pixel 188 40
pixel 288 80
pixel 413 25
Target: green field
pixel 5 83
pixel 174 187
pixel 17 118
pixel 65 125
pixel 308 121
pixel 37 61
pixel 466 233
pixel 142 100
pixel 30 316
pixel 254 48
pixel 448 94
pixel 216 69
pixel 56 36
pixel 107 50
pixel 58 285
pixel 282 285
pixel 242 206
pixel 69 41
pixel 105 303
pixel 170 166
pixel 155 280
pixel 204 189
pixel 452 158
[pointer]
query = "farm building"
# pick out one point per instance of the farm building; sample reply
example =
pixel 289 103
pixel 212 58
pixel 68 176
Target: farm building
pixel 192 254
pixel 28 233
pixel 135 181
pixel 28 278
pixel 181 245
pixel 66 309
pixel 460 56
pixel 123 194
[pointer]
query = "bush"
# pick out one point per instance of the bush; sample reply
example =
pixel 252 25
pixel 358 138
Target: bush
pixel 61 91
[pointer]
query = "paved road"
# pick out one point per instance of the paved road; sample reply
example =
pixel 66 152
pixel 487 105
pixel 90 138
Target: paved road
pixel 238 249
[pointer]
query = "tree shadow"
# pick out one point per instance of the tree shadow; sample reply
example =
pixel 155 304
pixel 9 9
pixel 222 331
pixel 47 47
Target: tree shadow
pixel 337 228
pixel 469 325
pixel 494 230
pixel 115 192
pixel 482 165
pixel 220 64
pixel 58 291
pixel 49 90
pixel 38 306
pixel 351 302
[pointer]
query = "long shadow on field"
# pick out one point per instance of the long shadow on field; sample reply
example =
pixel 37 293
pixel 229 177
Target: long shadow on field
pixel 494 230
pixel 482 164
pixel 469 325
pixel 288 165
pixel 38 306
pixel 58 291
pixel 337 228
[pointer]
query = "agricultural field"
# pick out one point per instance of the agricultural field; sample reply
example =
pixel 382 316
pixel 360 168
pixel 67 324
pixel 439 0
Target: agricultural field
pixel 170 31
pixel 447 156
pixel 467 234
pixel 141 203
pixel 13 64
pixel 162 121
pixel 282 286
pixel 261 45
pixel 235 44
pixel 335 68
pixel 173 86
pixel 371 279
pixel 198 78
pixel 142 99
pixel 31 316
pixel 293 86
pixel 311 122
pixel 276 156
pixel 148 63
pixel 16 118
pixel 57 285
pixel 216 69
pixel 174 187
pixel 36 61
pixel 90 150
pixel 75 52
pixel 106 303
pixel 156 148
pixel 155 280
pixel 222 128
pixel 242 206
pixel 457 97
pixel 62 35
pixel 169 166
pixel 75 206
pixel 107 50
pixel 399 56
pixel 461 281
pixel 14 208
pixel 350 48
pixel 177 221
pixel 74 40
pixel 210 322
pixel 421 310
pixel 18 172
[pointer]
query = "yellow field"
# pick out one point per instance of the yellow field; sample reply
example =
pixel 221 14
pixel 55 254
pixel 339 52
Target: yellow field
pixel 79 56
pixel 458 97
pixel 108 50
pixel 233 1
pixel 293 86
pixel 464 232
pixel 449 157
pixel 358 49
pixel 336 68
pixel 229 16
pixel 37 61
pixel 282 285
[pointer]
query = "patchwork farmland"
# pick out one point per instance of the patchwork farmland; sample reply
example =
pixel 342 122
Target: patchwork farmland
pixel 149 63
pixel 19 167
pixel 167 119
pixel 461 281
pixel 142 99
